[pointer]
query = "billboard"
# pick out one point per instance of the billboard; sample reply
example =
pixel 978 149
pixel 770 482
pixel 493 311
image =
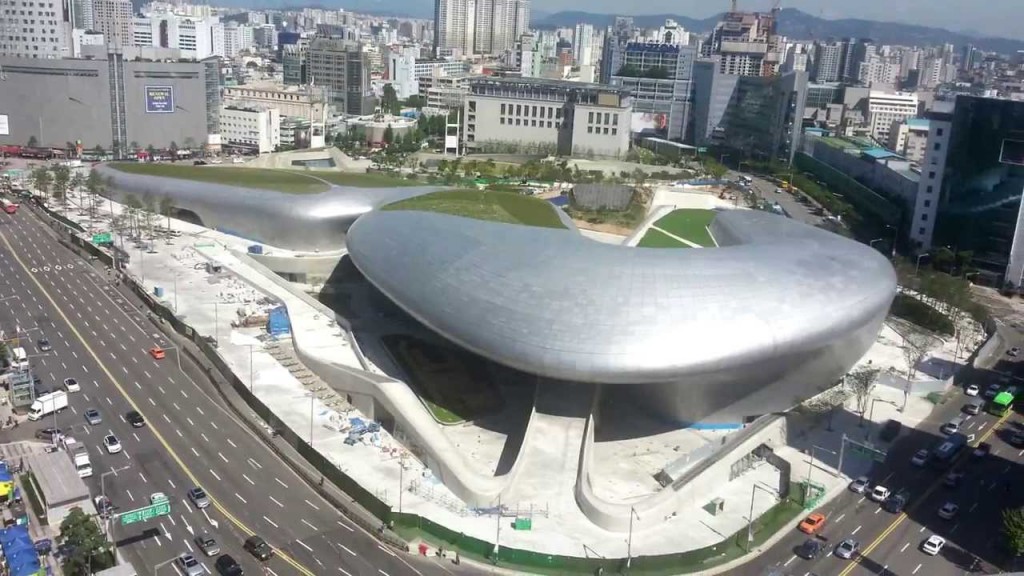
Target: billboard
pixel 159 99
pixel 5 125
pixel 1012 152
pixel 649 122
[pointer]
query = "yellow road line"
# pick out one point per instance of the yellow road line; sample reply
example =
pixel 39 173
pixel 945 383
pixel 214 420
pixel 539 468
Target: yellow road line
pixel 216 504
pixel 903 515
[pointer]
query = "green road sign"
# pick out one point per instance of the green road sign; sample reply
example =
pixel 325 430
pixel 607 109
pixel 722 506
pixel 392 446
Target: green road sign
pixel 104 238
pixel 144 514
pixel 702 150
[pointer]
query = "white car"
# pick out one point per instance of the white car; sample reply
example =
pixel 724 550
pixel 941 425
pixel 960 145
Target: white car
pixel 72 385
pixel 933 545
pixel 1015 351
pixel 948 511
pixel 972 390
pixel 920 458
pixel 112 444
pixel 860 485
pixel 880 494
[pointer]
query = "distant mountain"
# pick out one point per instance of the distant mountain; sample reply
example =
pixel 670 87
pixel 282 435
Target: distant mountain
pixel 802 26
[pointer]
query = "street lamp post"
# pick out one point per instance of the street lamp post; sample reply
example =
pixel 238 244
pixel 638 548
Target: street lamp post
pixel 750 519
pixel 250 369
pixel 629 539
pixel 917 268
pixel 872 243
pixel 810 466
pixel 108 521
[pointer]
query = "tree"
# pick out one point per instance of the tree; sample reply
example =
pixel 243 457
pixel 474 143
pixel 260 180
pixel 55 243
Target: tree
pixel 389 135
pixel 61 179
pixel 148 210
pixel 915 348
pixel 862 381
pixel 166 206
pixel 173 147
pixel 41 180
pixel 77 181
pixel 416 101
pixel 88 549
pixel 32 142
pixel 132 207
pixel 1013 528
pixel 190 143
pixel 389 103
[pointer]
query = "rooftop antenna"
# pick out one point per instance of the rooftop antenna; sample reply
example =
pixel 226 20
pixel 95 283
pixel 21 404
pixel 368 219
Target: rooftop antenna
pixel 733 7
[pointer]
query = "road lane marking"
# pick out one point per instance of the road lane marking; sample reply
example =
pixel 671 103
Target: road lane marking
pixel 346 527
pixel 345 548
pixel 189 420
pixel 315 507
pixel 136 385
pixel 233 445
pixel 247 479
pixel 194 452
pixel 200 410
pixel 214 475
pixel 271 522
pixel 314 528
pixel 303 544
pixel 275 501
pixel 161 389
pixel 916 569
pixel 143 478
pixel 179 433
pixel 166 418
pixel 788 562
pixel 841 516
pixel 171 482
pixel 855 530
pixel 222 457
pixel 204 437
pixel 905 546
pixel 254 463
pixel 240 498
pixel 279 482
pixel 151 402
pixel 393 554
pixel 117 384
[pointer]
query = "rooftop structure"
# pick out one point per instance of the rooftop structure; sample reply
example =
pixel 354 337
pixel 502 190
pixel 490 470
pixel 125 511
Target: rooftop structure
pixel 745 44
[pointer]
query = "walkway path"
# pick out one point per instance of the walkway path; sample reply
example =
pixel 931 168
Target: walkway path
pixel 677 238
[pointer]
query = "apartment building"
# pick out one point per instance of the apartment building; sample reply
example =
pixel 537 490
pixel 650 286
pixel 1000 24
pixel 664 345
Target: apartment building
pixel 342 68
pixel 113 19
pixel 554 116
pixel 745 44
pixel 884 108
pixel 250 129
pixel 909 138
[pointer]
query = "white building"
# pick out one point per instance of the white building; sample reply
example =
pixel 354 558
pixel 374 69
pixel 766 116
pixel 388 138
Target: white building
pixel 249 128
pixel 926 204
pixel 878 70
pixel 80 38
pixel 196 38
pixel 583 45
pixel 402 71
pixel 884 108
pixel 909 138
pixel 33 29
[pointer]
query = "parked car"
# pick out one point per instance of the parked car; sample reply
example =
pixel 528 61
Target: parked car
pixel 992 391
pixel 812 524
pixel 974 407
pixel 951 427
pixel 948 511
pixel 920 457
pixel 896 503
pixel 972 390
pixel 860 485
pixel 933 545
pixel 891 430
pixel 47 434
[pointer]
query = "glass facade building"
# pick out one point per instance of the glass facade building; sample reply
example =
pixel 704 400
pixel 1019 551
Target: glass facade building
pixel 981 187
pixel 660 78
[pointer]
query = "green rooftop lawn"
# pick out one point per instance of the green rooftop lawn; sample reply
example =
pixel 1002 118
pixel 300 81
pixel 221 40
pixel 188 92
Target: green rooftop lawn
pixel 655 239
pixel 485 205
pixel 359 180
pixel 689 224
pixel 279 180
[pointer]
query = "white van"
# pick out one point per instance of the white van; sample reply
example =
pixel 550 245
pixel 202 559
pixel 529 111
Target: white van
pixel 19 359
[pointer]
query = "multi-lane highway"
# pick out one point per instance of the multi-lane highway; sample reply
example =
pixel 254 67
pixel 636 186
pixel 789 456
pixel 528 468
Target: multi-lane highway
pixel 890 544
pixel 100 338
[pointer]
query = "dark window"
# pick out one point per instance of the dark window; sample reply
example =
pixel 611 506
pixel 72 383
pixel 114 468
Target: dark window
pixel 927 203
pixel 937 146
pixel 938 131
pixel 502 108
pixel 928 190
pixel 931 175
pixel 920 231
pixel 590 117
pixel 615 131
pixel 502 120
pixel 590 129
pixel 924 217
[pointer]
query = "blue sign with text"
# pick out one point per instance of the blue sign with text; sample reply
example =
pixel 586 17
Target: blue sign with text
pixel 159 99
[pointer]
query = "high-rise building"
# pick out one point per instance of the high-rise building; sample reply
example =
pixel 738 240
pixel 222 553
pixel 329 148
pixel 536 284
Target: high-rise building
pixel 194 37
pixel 582 45
pixel 660 78
pixel 401 71
pixel 969 196
pixel 82 16
pixel 854 52
pixel 884 108
pixel 454 26
pixel 113 18
pixel 745 44
pixel 879 71
pixel 294 61
pixel 342 68
pixel 35 28
pixel 828 62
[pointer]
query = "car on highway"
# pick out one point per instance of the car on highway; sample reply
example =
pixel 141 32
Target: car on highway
pixel 982 450
pixel 811 549
pixel 933 545
pixel 920 458
pixel 992 391
pixel 973 407
pixel 953 479
pixel 1015 351
pixel 112 444
pixel 860 485
pixel 47 434
pixel 972 390
pixel 157 497
pixel 847 548
pixel 228 566
pixel 92 416
pixel 880 493
pixel 104 507
pixel 44 345
pixel 258 547
pixel 72 385
pixel 198 497
pixel 895 503
pixel 157 353
pixel 951 427
pixel 135 419
pixel 948 511
pixel 208 544
pixel 190 566
pixel 812 524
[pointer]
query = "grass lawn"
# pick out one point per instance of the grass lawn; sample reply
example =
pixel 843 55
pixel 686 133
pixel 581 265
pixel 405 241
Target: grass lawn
pixel 655 239
pixel 690 224
pixel 485 205
pixel 360 180
pixel 288 181
pixel 628 219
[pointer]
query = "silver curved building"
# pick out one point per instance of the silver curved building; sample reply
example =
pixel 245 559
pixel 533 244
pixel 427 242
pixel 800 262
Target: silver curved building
pixel 300 222
pixel 711 337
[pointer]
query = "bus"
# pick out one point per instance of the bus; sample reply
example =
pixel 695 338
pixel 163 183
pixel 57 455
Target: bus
pixel 1003 402
pixel 8 206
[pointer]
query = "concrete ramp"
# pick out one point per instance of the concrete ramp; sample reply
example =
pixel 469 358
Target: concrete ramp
pixel 550 462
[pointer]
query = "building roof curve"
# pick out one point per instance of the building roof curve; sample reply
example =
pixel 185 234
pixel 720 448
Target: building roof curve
pixel 551 302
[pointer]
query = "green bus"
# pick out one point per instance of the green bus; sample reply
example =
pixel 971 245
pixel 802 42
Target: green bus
pixel 1003 402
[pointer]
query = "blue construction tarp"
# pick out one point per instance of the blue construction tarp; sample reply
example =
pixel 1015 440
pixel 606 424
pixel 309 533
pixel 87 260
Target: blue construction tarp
pixel 13 533
pixel 17 547
pixel 278 323
pixel 29 566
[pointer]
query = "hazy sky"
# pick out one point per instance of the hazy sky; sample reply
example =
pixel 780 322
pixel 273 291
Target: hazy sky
pixel 1001 18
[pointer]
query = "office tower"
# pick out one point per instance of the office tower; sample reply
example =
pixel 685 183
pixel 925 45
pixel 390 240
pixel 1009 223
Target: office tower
pixel 194 37
pixel 969 57
pixel 745 44
pixel 855 50
pixel 342 68
pixel 82 16
pixel 660 78
pixel 35 28
pixel 455 25
pixel 828 62
pixel 113 18
pixel 884 108
pixel 582 45
pixel 401 71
